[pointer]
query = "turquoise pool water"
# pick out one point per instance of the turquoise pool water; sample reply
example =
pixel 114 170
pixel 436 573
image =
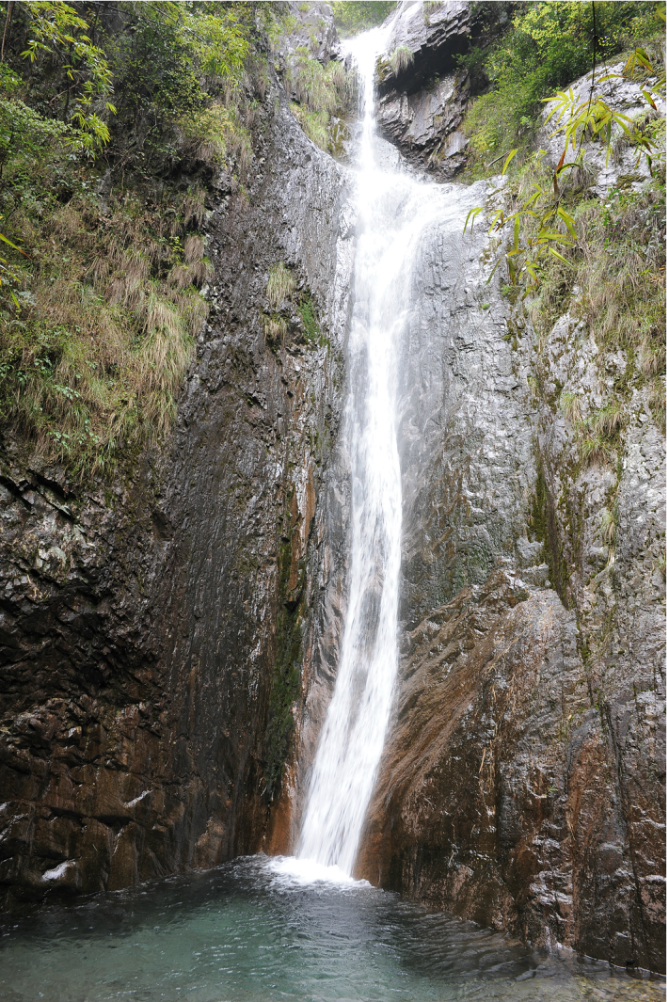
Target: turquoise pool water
pixel 253 931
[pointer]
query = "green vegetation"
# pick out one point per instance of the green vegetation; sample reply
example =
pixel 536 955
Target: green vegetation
pixel 561 246
pixel 113 122
pixel 400 59
pixel 322 96
pixel 613 279
pixel 545 47
pixel 353 16
pixel 280 285
pixel 281 288
pixel 309 317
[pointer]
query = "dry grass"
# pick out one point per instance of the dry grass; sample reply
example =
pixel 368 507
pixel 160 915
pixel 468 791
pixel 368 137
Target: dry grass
pixel 321 92
pixel 619 270
pixel 571 407
pixel 595 450
pixel 275 329
pixel 280 286
pixel 607 531
pixel 614 280
pixel 94 363
pixel 400 59
pixel 607 421
pixel 216 136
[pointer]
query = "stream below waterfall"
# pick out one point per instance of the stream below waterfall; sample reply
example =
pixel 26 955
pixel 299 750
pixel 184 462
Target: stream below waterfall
pixel 247 932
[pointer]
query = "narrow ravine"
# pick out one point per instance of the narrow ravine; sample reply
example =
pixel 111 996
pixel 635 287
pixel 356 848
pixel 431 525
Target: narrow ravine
pixel 419 808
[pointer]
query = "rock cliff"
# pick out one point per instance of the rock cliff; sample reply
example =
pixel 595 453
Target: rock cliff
pixel 170 640
pixel 422 93
pixel 514 789
pixel 155 631
pixel 523 782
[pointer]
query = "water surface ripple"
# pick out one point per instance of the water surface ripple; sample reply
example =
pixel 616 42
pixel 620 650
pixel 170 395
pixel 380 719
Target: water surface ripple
pixel 250 931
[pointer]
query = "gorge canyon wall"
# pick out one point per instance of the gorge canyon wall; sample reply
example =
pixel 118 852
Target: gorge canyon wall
pixel 170 640
pixel 154 629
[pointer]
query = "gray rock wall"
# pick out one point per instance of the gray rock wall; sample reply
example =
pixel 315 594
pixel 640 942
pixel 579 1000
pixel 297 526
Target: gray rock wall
pixel 422 92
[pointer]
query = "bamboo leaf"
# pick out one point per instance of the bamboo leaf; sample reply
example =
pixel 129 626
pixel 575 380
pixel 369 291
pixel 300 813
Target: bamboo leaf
pixel 649 98
pixel 494 270
pixel 644 60
pixel 7 241
pixel 559 256
pixel 474 213
pixel 507 162
pixel 498 219
pixel 568 220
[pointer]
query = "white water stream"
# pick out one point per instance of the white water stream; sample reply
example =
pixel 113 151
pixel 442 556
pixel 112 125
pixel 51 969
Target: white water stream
pixel 392 211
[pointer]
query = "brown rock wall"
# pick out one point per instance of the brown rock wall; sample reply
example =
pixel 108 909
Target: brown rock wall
pixel 496 800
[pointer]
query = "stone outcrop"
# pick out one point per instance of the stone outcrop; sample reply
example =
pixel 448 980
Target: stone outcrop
pixel 626 168
pixel 309 28
pixel 422 93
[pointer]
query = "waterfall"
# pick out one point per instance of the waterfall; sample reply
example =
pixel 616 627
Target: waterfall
pixel 352 739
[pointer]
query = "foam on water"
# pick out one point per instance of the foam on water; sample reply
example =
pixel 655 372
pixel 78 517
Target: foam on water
pixel 295 871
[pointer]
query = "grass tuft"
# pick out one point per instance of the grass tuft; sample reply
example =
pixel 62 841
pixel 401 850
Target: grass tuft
pixel 280 286
pixel 400 59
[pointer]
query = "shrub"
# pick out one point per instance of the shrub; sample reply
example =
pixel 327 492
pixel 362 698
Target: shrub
pixel 400 59
pixel 353 16
pixel 546 46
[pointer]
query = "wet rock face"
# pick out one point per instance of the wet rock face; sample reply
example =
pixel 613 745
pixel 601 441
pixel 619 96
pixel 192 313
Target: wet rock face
pixel 422 94
pixel 142 710
pixel 522 784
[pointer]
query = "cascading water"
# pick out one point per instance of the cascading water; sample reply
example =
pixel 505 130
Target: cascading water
pixel 392 211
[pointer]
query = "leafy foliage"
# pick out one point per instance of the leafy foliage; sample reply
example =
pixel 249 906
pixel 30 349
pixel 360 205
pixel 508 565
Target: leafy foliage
pixel 57 31
pixel 353 16
pixel 102 205
pixel 539 222
pixel 545 47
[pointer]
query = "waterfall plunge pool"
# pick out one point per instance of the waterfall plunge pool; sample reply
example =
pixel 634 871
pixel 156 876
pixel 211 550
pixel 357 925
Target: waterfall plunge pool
pixel 273 930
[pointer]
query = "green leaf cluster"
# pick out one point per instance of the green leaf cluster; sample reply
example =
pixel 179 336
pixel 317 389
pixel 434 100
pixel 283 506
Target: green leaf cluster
pixel 58 32
pixel 101 207
pixel 353 16
pixel 545 46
